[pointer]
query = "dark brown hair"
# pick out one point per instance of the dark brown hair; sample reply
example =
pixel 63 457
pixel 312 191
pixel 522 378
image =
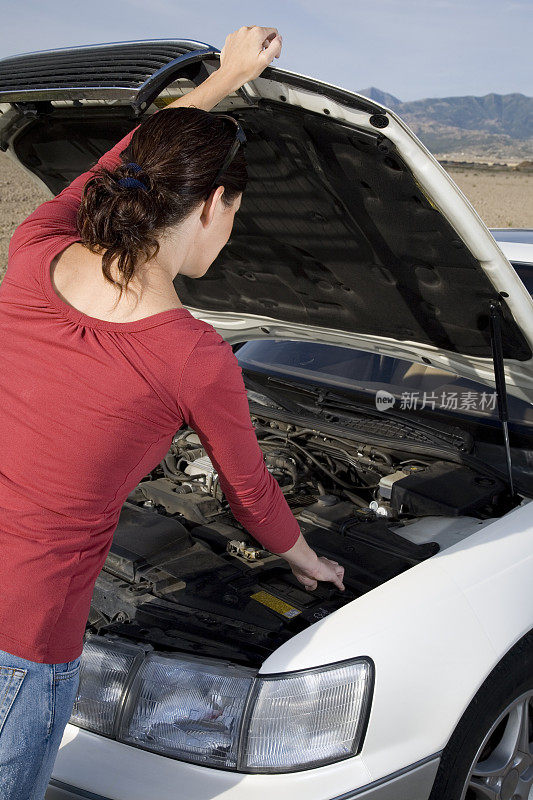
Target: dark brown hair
pixel 180 151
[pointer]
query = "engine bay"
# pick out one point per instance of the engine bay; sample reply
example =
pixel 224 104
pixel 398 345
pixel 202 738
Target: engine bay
pixel 183 574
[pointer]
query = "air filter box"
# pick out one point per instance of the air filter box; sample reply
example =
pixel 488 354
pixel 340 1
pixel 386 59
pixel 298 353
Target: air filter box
pixel 446 489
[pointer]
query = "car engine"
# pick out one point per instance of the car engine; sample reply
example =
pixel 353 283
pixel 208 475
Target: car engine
pixel 182 572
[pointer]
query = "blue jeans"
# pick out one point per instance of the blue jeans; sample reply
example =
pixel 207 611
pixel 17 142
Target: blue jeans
pixel 35 705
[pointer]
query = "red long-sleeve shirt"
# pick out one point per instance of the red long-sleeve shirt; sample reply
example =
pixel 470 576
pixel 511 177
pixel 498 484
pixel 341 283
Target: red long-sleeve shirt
pixel 87 409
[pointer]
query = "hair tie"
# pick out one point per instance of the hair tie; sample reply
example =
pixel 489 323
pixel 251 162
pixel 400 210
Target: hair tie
pixel 133 182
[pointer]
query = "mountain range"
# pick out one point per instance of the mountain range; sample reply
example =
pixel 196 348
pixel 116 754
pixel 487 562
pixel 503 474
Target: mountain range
pixel 492 128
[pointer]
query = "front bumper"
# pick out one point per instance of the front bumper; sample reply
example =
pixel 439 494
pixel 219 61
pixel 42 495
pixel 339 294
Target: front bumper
pixel 412 783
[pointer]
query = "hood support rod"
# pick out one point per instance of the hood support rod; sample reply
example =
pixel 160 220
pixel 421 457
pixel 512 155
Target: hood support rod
pixel 499 375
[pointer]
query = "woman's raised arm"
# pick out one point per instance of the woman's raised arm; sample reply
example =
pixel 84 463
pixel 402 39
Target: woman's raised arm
pixel 245 55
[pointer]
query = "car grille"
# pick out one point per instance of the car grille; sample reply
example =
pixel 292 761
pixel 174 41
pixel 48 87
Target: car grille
pixel 113 66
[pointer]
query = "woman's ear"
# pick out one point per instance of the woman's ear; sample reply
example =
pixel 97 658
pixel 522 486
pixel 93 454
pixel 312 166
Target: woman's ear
pixel 211 205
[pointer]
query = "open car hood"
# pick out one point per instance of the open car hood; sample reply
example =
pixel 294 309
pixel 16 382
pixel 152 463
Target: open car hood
pixel 349 232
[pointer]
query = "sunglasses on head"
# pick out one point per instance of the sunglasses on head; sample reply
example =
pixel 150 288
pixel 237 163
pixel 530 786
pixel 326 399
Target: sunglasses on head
pixel 240 139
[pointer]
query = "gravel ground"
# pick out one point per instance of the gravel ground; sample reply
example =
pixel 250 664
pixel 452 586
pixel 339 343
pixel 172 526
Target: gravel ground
pixel 19 196
pixel 502 197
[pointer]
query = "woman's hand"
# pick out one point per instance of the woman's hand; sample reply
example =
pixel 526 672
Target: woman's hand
pixel 247 52
pixel 323 569
pixel 245 55
pixel 309 568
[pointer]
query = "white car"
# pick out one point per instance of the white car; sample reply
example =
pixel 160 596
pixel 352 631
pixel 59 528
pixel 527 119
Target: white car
pixel 386 344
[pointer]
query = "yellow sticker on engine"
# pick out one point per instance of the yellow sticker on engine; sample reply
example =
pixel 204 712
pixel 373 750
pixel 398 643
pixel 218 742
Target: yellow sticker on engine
pixel 276 604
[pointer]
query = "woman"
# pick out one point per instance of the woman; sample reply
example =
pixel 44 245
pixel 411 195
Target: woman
pixel 102 364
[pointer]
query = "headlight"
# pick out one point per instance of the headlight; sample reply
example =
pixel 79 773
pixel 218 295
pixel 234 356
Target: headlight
pixel 187 708
pixel 222 715
pixel 104 670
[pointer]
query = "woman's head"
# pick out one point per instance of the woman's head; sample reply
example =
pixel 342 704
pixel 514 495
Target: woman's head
pixel 179 152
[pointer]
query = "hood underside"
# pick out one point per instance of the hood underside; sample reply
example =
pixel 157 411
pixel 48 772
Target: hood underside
pixel 348 224
pixel 333 231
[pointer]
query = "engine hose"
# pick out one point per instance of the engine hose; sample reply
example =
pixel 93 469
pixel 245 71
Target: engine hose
pixel 286 464
pixel 369 462
pixel 385 456
pixel 177 476
pixel 351 459
pixel 315 461
pixel 277 445
pixel 292 487
pixel 169 471
pixel 356 461
pixel 282 437
pixel 330 461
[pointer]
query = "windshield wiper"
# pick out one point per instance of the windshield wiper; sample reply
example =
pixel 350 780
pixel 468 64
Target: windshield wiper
pixel 393 422
pixel 277 399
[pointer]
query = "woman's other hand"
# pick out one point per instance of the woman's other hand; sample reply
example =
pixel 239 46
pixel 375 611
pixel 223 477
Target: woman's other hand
pixel 248 51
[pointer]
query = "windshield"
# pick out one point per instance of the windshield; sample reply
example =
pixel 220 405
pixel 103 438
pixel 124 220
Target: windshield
pixel 525 272
pixel 390 382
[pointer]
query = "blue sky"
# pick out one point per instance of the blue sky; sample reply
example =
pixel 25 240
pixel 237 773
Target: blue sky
pixel 411 48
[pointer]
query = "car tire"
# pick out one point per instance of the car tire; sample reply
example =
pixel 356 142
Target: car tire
pixel 490 753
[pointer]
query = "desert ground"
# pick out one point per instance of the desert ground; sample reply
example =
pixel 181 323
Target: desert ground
pixel 503 197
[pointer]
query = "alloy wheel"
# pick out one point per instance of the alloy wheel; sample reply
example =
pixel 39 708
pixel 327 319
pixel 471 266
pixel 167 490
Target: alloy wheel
pixel 502 768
